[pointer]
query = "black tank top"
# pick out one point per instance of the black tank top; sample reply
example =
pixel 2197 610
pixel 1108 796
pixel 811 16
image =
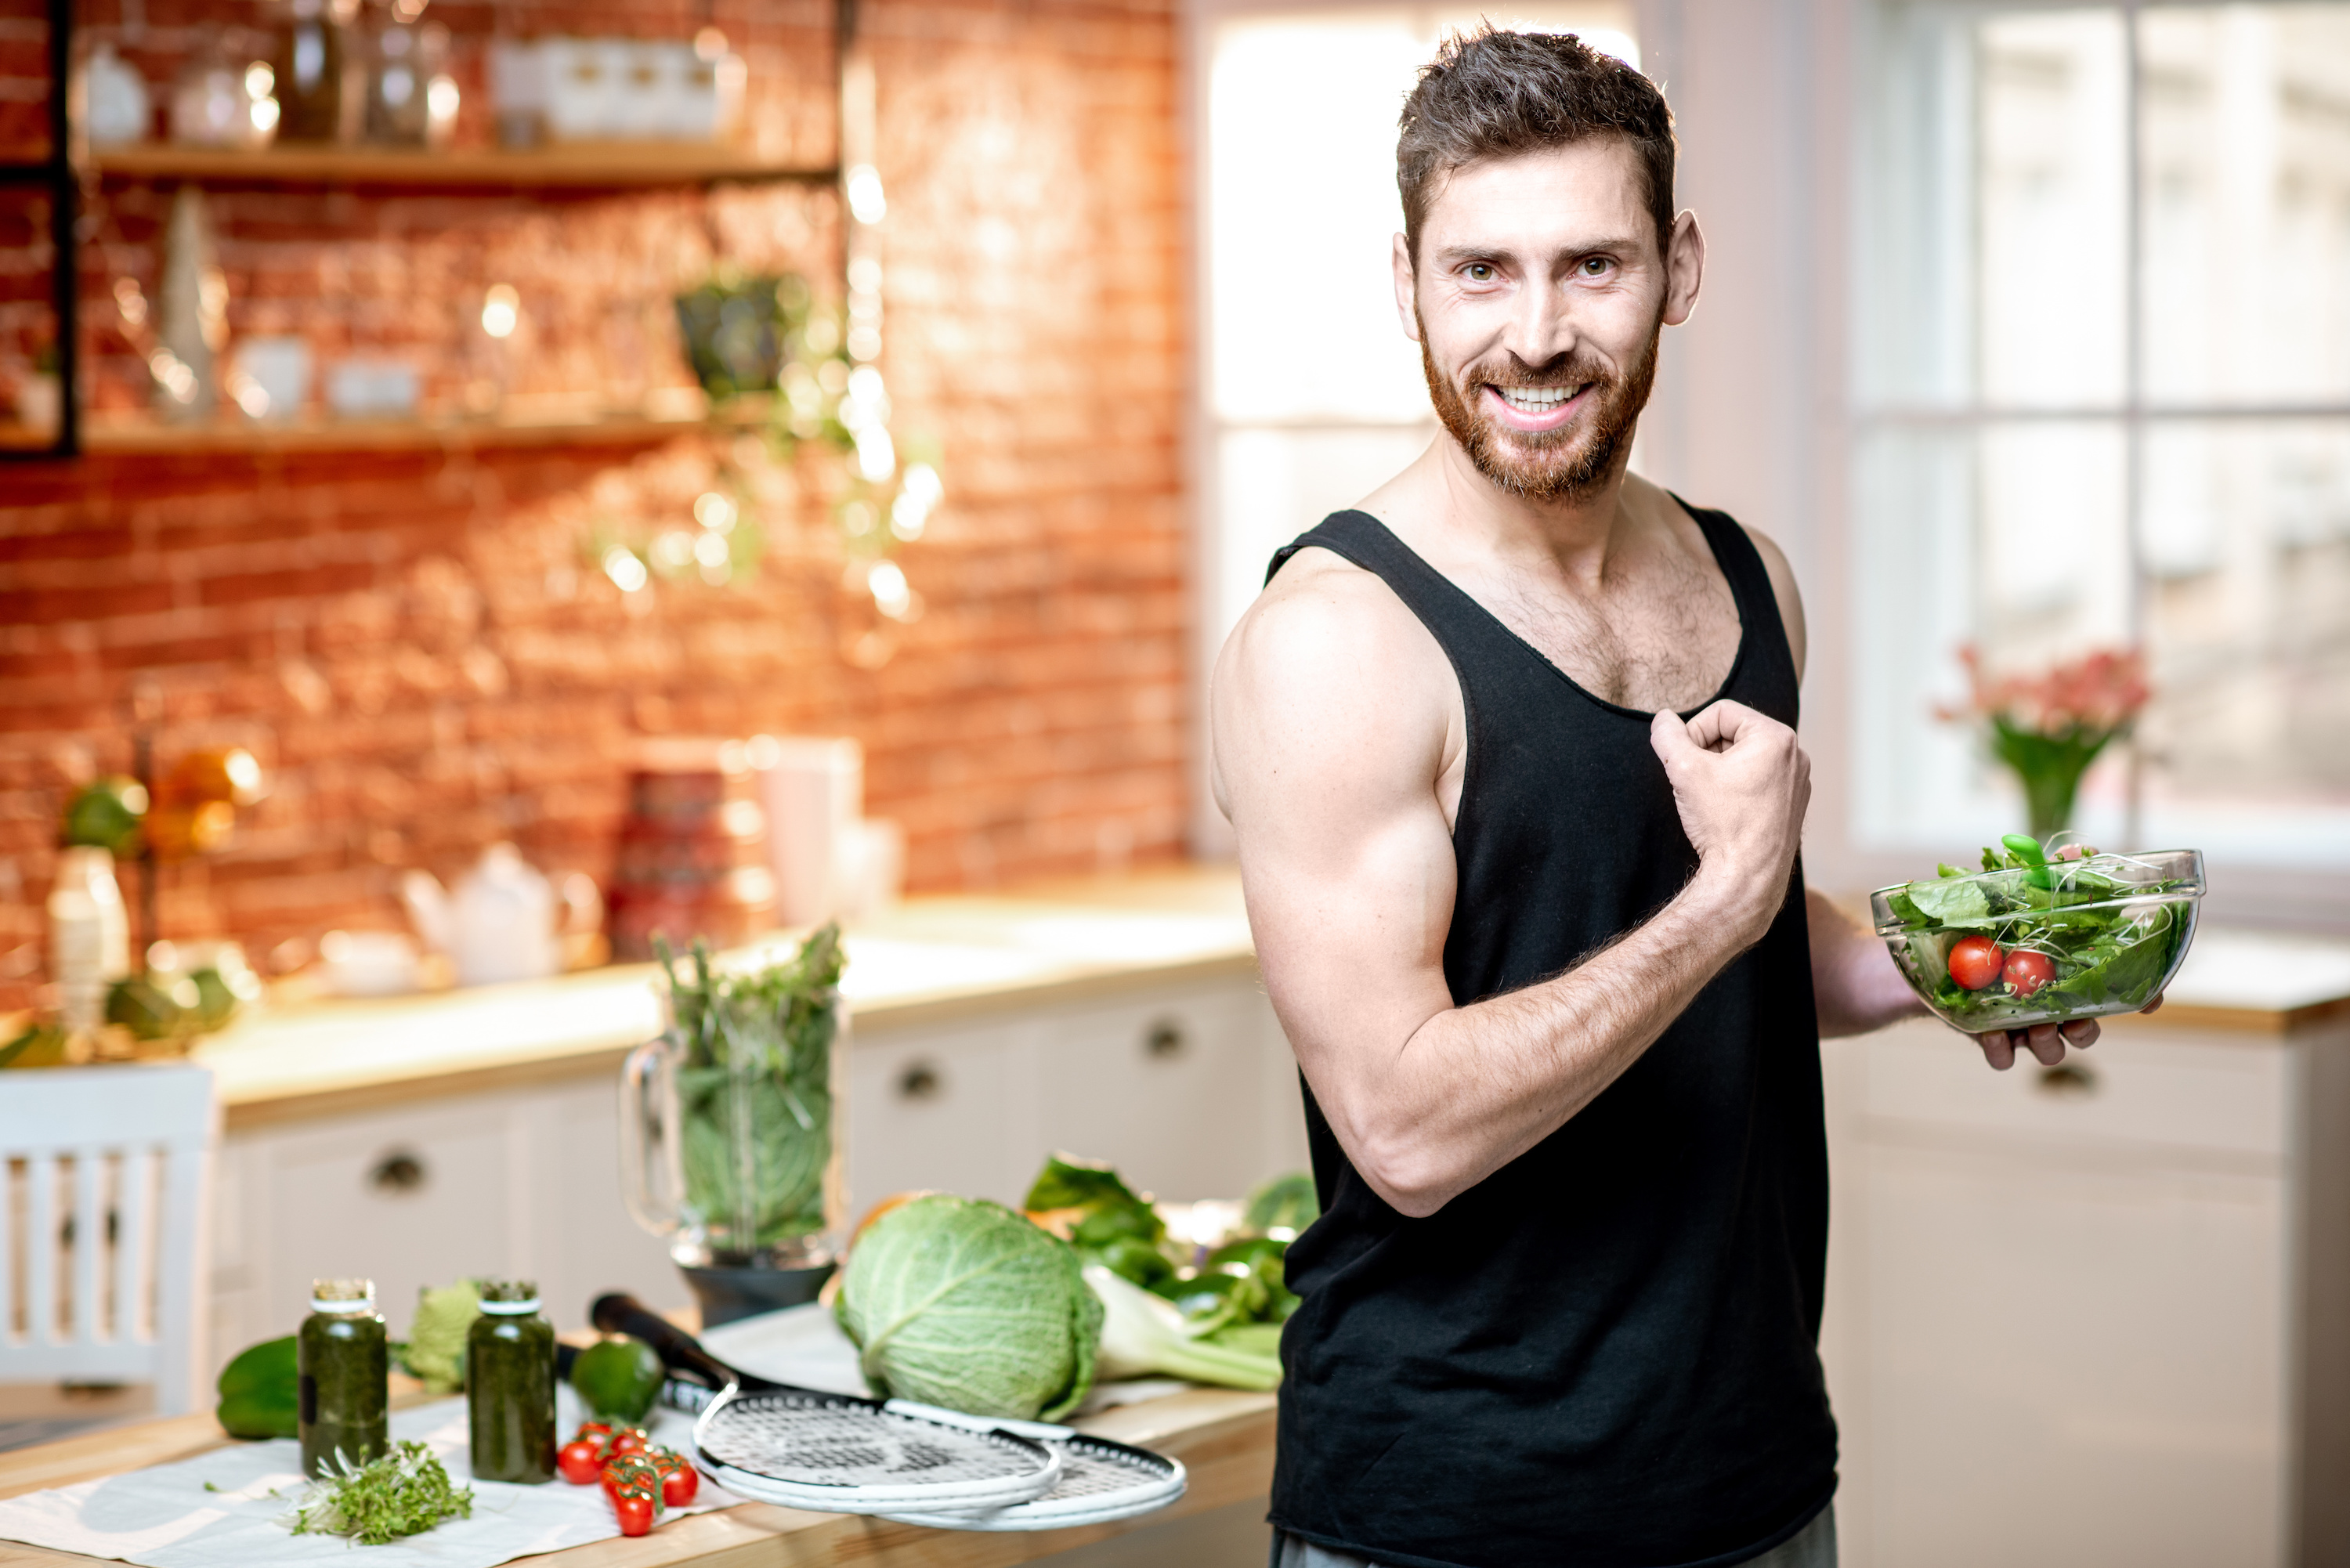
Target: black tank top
pixel 1604 1354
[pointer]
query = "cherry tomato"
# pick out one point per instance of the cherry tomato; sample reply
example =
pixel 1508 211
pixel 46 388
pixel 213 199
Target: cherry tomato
pixel 635 1512
pixel 626 1440
pixel 1975 963
pixel 678 1478
pixel 582 1460
pixel 599 1431
pixel 2026 971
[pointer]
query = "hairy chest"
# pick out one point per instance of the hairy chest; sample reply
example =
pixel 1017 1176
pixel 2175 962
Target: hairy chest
pixel 1663 634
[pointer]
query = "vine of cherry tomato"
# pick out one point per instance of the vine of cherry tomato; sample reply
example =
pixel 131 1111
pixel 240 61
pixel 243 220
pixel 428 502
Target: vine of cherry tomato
pixel 639 1475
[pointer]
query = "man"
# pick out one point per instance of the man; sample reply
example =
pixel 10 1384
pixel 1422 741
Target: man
pixel 1510 753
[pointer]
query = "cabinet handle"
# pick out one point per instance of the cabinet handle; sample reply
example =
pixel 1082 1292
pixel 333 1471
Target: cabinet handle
pixel 2067 1081
pixel 397 1173
pixel 921 1081
pixel 1164 1040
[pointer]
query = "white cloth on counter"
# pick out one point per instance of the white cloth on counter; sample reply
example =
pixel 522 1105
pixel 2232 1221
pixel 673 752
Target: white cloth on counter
pixel 163 1516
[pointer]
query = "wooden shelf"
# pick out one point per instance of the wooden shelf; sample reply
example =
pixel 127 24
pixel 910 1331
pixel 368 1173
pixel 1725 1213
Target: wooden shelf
pixel 125 437
pixel 610 165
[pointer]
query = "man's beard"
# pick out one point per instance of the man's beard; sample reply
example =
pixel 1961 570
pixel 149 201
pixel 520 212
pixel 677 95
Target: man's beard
pixel 1570 463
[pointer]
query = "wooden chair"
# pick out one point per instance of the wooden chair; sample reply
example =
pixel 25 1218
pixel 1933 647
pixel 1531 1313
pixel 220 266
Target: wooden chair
pixel 104 1178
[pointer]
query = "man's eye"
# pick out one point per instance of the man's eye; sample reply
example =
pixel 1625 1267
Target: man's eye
pixel 1481 271
pixel 1595 266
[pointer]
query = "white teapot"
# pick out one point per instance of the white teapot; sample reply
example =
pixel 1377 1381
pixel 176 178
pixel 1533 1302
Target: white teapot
pixel 506 921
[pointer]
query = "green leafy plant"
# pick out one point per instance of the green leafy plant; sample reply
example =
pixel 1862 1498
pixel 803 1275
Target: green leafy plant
pixel 406 1492
pixel 961 1302
pixel 755 1091
pixel 434 1354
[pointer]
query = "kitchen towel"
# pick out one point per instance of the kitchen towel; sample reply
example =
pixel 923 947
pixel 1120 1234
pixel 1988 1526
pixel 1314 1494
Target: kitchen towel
pixel 225 1508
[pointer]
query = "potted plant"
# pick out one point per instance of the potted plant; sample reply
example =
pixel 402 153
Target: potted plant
pixel 2051 726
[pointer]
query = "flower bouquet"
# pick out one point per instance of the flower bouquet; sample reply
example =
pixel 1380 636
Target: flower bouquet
pixel 2050 727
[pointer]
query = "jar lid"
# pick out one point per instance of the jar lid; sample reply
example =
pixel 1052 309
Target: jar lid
pixel 342 1295
pixel 509 1298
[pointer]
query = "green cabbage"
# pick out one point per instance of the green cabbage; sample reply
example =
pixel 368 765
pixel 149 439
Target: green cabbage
pixel 964 1303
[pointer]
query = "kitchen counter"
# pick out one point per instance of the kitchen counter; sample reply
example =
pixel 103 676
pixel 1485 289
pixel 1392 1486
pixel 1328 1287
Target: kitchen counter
pixel 933 958
pixel 1223 1437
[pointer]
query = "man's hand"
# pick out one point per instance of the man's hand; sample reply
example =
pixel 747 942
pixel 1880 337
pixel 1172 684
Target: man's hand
pixel 1741 782
pixel 2046 1041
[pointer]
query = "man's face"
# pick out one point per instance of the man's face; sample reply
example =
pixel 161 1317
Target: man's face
pixel 1537 305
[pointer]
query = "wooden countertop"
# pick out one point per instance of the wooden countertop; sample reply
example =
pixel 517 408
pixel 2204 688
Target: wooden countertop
pixel 931 959
pixel 1223 1437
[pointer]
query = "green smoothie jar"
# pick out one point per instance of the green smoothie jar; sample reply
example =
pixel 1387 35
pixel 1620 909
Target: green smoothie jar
pixel 510 1386
pixel 345 1412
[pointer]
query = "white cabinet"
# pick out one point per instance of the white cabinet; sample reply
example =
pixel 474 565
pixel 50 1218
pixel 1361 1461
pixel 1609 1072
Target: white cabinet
pixel 1186 1084
pixel 2078 1316
pixel 522 1182
pixel 1188 1087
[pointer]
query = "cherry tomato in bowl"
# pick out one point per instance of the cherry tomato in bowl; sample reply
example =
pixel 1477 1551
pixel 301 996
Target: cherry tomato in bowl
pixel 1976 962
pixel 2026 971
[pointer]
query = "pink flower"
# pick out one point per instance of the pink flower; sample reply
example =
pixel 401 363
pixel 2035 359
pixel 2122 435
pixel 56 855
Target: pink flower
pixel 2100 693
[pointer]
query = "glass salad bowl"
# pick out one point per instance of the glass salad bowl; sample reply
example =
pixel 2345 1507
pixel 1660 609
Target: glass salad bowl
pixel 2040 941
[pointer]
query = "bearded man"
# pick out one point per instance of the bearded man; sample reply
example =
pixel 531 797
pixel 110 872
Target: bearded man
pixel 1509 751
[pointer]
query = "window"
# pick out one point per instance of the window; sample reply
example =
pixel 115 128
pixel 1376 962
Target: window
pixel 1313 395
pixel 2102 360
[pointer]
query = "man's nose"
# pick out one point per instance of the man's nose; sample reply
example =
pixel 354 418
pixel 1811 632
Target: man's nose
pixel 1540 330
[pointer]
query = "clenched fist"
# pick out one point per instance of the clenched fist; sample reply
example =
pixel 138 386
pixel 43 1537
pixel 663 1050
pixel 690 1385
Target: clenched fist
pixel 1741 782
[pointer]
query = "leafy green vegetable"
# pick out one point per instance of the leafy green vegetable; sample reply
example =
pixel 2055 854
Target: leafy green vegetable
pixel 1143 1335
pixel 405 1492
pixel 1285 1202
pixel 756 1074
pixel 260 1391
pixel 435 1352
pixel 964 1303
pixel 1951 903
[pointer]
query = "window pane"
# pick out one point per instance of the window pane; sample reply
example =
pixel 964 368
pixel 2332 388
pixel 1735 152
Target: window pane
pixel 2246 114
pixel 2247 544
pixel 2053 129
pixel 2012 538
pixel 1996 250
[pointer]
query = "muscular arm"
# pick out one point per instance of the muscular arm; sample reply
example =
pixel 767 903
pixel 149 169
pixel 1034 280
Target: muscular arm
pixel 1332 727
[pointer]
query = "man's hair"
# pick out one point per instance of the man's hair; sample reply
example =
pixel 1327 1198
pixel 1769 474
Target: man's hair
pixel 1492 95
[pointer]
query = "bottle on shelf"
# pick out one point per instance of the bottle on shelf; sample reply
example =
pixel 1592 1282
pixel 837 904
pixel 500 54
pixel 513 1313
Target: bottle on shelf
pixel 321 81
pixel 412 97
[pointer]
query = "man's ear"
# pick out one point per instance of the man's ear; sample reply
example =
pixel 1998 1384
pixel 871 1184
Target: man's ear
pixel 1406 289
pixel 1684 268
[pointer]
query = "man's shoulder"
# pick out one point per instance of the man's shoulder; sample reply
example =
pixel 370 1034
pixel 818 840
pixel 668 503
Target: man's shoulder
pixel 1326 625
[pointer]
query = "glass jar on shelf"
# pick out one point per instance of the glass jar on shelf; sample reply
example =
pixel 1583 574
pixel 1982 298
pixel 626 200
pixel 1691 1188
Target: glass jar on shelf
pixel 412 97
pixel 321 80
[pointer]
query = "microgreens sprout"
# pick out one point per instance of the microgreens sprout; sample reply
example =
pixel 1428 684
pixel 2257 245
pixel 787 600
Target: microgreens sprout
pixel 405 1492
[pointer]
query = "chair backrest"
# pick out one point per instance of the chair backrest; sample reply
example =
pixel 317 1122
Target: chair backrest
pixel 104 1174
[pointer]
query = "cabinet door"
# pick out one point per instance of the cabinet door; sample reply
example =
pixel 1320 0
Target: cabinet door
pixel 1169 1088
pixel 2071 1365
pixel 583 1241
pixel 940 1108
pixel 409 1199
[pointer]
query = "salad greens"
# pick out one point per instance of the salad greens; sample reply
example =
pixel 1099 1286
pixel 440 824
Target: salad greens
pixel 754 1083
pixel 2109 928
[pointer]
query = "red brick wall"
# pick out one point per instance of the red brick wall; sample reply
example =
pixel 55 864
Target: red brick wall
pixel 418 647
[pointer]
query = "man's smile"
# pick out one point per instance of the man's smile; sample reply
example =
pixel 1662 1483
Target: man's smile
pixel 1534 410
